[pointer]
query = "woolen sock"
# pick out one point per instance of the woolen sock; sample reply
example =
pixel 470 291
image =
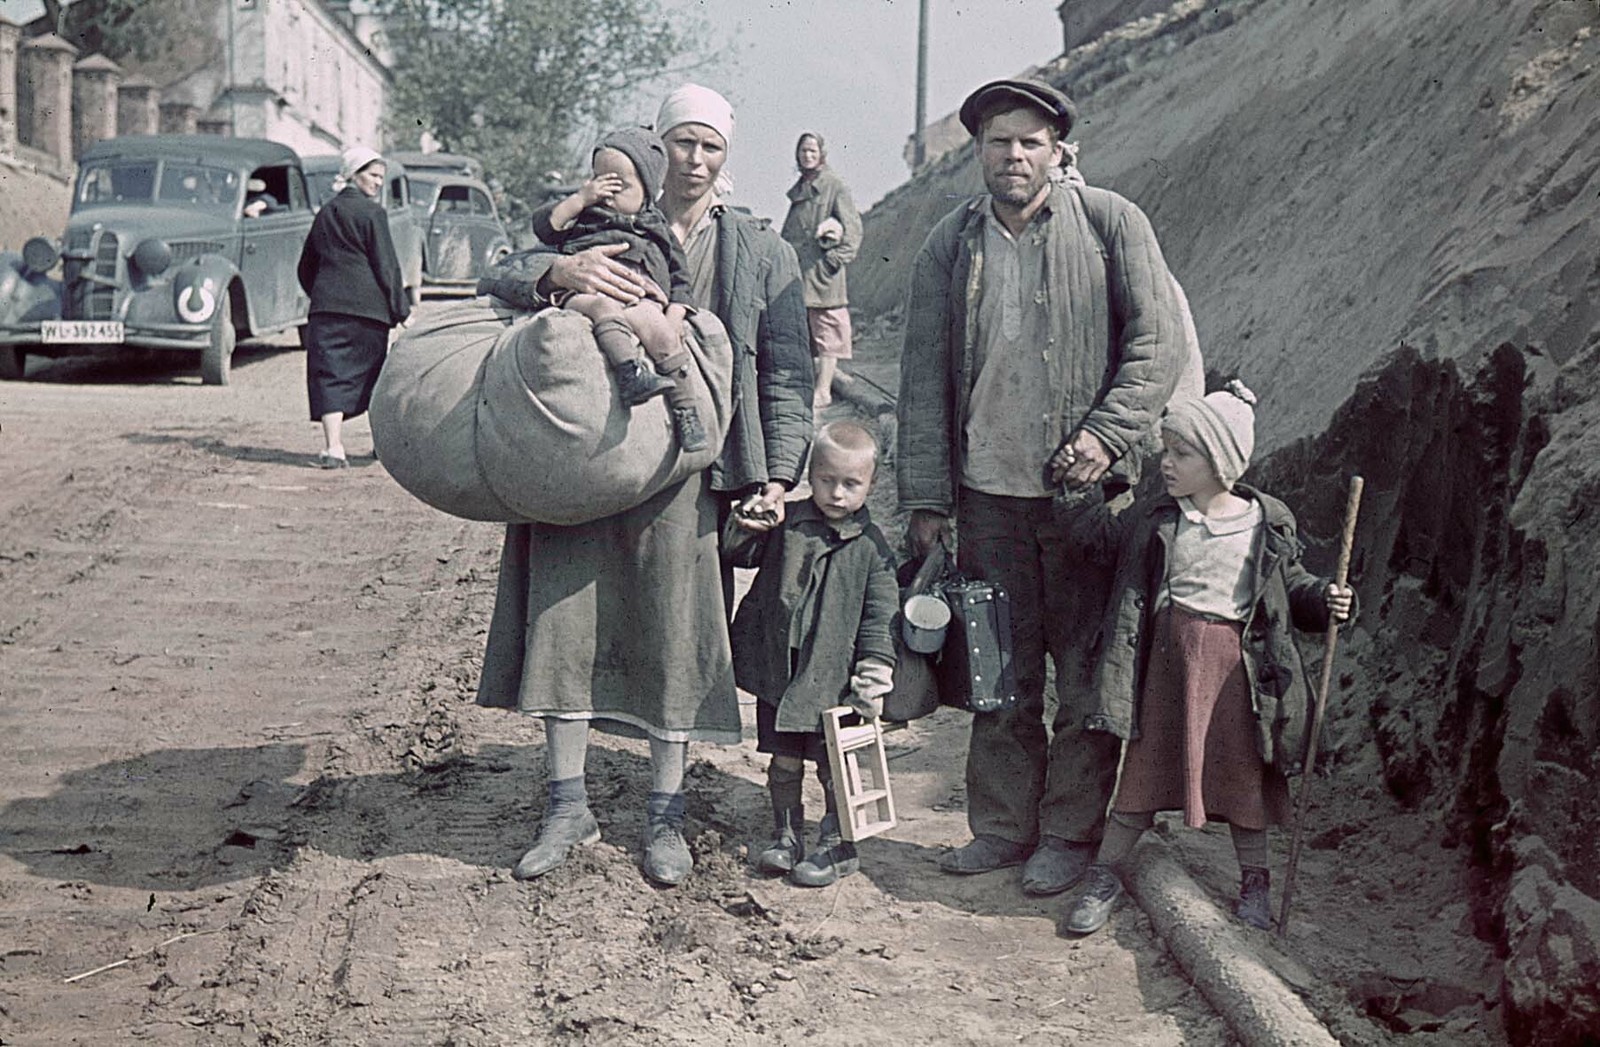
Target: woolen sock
pixel 783 784
pixel 567 796
pixel 1250 845
pixel 617 342
pixel 825 777
pixel 667 807
pixel 1122 832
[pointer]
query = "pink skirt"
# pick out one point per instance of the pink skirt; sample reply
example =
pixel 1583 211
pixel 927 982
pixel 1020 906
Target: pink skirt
pixel 830 332
pixel 1196 750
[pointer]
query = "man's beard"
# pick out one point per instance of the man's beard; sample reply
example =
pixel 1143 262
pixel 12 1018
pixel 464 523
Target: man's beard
pixel 1015 194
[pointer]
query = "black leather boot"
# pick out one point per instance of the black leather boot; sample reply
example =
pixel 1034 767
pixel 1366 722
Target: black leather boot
pixel 786 848
pixel 834 857
pixel 688 428
pixel 637 383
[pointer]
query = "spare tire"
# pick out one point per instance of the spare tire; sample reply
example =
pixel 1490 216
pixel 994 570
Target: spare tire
pixel 516 419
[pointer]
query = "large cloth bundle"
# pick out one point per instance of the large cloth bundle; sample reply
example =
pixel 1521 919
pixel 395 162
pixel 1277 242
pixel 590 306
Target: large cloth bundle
pixel 517 419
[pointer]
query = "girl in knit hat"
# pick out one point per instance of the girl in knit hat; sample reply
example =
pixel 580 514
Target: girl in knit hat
pixel 1199 670
pixel 617 205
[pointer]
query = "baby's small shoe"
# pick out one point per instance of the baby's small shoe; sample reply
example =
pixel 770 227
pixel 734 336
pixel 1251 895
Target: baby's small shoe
pixel 691 432
pixel 637 383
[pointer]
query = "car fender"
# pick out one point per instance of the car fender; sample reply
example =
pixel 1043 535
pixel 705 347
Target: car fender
pixel 198 287
pixel 26 297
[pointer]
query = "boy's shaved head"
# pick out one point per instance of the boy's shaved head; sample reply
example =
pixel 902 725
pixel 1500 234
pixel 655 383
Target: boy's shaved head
pixel 847 438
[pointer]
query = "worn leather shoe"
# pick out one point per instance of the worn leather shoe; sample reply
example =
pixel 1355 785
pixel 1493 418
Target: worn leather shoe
pixel 1056 865
pixel 1255 897
pixel 557 836
pixel 984 854
pixel 785 851
pixel 834 858
pixel 1093 907
pixel 666 853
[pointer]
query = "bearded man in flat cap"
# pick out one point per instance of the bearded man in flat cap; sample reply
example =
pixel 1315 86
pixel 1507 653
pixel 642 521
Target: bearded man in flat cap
pixel 1042 341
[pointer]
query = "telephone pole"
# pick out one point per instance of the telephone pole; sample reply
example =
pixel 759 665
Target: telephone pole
pixel 919 148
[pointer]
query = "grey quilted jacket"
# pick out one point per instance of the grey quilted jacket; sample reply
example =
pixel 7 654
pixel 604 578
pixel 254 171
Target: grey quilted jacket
pixel 1116 348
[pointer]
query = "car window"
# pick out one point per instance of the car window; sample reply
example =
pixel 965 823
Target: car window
pixel 321 183
pixel 299 199
pixel 198 186
pixel 456 199
pixel 422 190
pixel 116 182
pixel 480 203
pixel 398 197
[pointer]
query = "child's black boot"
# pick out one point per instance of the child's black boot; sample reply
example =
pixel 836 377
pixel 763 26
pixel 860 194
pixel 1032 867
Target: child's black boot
pixel 834 857
pixel 1255 897
pixel 786 849
pixel 1101 889
pixel 637 383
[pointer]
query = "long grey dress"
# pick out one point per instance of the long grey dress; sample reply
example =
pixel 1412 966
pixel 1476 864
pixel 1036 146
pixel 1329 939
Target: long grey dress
pixel 619 622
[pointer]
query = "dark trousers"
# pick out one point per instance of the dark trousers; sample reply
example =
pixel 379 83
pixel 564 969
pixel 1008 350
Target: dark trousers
pixel 1021 781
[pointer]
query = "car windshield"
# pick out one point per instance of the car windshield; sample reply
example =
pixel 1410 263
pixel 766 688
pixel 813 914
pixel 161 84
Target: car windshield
pixel 422 190
pixel 156 181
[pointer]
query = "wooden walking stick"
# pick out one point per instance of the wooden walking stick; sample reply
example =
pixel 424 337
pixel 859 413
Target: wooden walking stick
pixel 1329 643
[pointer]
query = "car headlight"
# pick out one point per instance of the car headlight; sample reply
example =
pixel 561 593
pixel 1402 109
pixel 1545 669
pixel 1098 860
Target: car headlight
pixel 197 301
pixel 152 256
pixel 40 255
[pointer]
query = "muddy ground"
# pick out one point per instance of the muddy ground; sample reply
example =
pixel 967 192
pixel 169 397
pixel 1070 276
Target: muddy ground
pixel 247 798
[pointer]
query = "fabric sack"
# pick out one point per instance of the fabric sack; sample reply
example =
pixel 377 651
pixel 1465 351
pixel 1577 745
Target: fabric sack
pixel 516 419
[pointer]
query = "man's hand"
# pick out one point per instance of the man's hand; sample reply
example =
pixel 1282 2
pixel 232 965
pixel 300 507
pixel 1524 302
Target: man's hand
pixel 926 529
pixel 600 189
pixel 1081 460
pixel 762 511
pixel 1341 599
pixel 595 270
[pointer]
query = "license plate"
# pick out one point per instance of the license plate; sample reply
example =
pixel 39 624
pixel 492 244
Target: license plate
pixel 69 332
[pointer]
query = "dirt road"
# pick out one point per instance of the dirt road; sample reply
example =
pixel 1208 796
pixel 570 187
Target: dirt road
pixel 242 765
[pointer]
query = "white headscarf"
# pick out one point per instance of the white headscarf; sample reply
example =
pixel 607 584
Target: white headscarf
pixel 353 160
pixel 693 104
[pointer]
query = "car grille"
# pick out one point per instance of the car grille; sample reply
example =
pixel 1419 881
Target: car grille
pixel 92 274
pixel 185 250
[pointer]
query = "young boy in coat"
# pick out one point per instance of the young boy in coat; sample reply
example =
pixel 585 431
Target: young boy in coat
pixel 814 633
pixel 1198 666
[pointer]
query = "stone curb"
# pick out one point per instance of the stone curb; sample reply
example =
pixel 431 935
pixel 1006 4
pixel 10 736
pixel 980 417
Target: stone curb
pixel 1260 1008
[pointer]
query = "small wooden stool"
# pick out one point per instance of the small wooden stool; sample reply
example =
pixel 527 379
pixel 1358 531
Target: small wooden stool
pixel 860 775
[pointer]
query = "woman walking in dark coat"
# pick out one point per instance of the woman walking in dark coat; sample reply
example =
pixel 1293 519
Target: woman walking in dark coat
pixel 350 270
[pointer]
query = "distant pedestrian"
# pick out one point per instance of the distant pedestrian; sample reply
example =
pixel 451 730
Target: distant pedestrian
pixel 350 270
pixel 814 633
pixel 1199 670
pixel 824 229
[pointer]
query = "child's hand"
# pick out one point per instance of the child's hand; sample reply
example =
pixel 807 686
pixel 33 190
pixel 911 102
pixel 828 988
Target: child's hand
pixel 600 189
pixel 1340 601
pixel 763 510
pixel 868 708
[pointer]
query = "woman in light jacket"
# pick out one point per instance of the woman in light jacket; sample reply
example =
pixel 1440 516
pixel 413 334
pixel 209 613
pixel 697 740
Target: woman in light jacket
pixel 824 229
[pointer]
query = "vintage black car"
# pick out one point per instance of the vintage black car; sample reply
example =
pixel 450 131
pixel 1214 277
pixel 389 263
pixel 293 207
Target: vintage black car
pixel 183 242
pixel 404 227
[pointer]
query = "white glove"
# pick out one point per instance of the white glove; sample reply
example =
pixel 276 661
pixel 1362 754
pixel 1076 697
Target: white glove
pixel 830 232
pixel 868 684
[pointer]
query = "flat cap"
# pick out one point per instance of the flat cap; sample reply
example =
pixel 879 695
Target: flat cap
pixel 1056 107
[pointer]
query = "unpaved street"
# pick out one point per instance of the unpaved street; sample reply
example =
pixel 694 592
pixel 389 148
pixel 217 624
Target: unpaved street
pixel 240 755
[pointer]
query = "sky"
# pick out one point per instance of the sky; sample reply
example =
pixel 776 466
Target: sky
pixel 848 69
pixel 844 68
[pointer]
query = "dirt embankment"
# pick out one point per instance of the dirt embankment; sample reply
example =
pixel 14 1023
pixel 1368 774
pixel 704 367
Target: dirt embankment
pixel 31 204
pixel 1385 217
